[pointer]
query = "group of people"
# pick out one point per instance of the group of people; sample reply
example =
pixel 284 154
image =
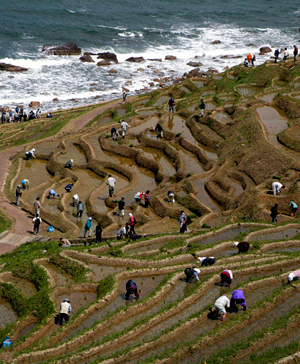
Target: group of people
pixel 249 59
pixel 114 131
pixel 19 115
pixel 277 187
pixel 286 53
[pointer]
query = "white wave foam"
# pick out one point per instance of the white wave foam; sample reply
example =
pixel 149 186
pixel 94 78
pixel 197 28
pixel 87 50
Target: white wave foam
pixel 71 11
pixel 110 27
pixel 131 34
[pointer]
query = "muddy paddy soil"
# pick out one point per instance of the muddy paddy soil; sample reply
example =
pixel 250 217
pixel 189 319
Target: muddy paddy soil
pixel 146 285
pixel 276 235
pixel 26 287
pixel 35 171
pixel 60 277
pixel 263 322
pixel 8 315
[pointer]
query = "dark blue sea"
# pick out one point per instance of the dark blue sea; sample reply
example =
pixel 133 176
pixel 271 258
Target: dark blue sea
pixel 151 29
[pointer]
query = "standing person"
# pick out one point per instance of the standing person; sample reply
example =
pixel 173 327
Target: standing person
pixel 205 261
pixel 171 105
pixel 253 59
pixel 295 53
pixel 124 127
pixel 114 133
pixel 30 154
pixel 65 310
pixel 131 288
pixel 171 196
pixel 121 204
pixel 226 277
pixel 202 107
pixel 147 197
pixel 243 246
pixel 36 224
pixel 98 232
pixel 131 223
pixel 160 130
pixel 38 113
pixel 75 200
pixel 111 185
pixel 80 209
pixel 293 208
pixel 37 206
pixel 276 187
pixel 285 54
pixel 238 298
pixel 182 218
pixel 69 164
pixel 274 213
pixel 25 184
pixel 221 304
pixel 249 57
pixel 276 54
pixel 88 227
pixel 124 96
pixel 18 195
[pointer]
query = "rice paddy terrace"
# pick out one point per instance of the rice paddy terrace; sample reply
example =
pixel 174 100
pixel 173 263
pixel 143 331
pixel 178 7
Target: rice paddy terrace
pixel 221 168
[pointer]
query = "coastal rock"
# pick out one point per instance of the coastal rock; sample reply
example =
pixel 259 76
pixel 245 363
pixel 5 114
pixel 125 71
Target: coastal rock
pixel 93 89
pixel 216 42
pixel 193 73
pixel 70 49
pixel 86 58
pixel 11 68
pixel 55 99
pixel 264 50
pixel 125 89
pixel 103 63
pixel 250 45
pixel 170 58
pixel 140 70
pixel 135 59
pixel 112 71
pixel 94 84
pixel 156 80
pixel 108 56
pixel 151 84
pixel 35 104
pixel 195 64
pixel 127 83
pixel 155 59
pixel 228 57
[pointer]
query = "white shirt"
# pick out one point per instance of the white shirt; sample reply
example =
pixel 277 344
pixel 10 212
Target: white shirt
pixel 276 186
pixel 223 301
pixel 202 258
pixel 122 231
pixel 65 307
pixel 124 125
pixel 229 272
pixel 291 277
pixel 76 197
pixel 111 182
pixel 31 151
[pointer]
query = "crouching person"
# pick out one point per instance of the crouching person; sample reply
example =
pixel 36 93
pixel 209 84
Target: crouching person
pixel 131 288
pixel 243 246
pixel 191 274
pixel 206 261
pixel 226 278
pixel 221 304
pixel 237 299
pixel 65 309
pixel 294 276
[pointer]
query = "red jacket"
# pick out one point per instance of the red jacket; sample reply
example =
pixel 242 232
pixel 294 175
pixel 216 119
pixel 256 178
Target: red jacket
pixel 131 221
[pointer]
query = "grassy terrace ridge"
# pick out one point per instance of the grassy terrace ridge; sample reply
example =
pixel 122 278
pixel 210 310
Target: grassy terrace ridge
pixel 221 168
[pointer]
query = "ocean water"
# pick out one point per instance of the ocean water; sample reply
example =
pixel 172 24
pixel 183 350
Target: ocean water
pixel 150 29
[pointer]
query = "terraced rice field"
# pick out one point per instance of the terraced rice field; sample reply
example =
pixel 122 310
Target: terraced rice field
pixel 221 168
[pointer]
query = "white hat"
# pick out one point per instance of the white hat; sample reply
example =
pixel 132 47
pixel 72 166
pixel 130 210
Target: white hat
pixel 72 160
pixel 33 149
pixel 236 243
pixel 90 218
pixel 130 214
pixel 291 277
pixel 197 270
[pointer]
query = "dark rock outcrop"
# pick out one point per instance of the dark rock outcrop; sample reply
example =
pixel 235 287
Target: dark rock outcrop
pixel 104 63
pixel 155 59
pixel 195 64
pixel 11 68
pixel 264 50
pixel 69 49
pixel 193 73
pixel 108 56
pixel 135 59
pixel 170 58
pixel 86 58
pixel 216 42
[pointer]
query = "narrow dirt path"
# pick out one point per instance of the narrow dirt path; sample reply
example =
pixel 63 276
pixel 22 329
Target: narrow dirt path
pixel 22 225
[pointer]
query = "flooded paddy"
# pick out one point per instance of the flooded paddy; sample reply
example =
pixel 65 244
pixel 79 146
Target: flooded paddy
pixel 35 171
pixel 78 300
pixel 160 157
pixel 276 235
pixel 203 196
pixel 7 314
pixel 26 287
pixel 74 153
